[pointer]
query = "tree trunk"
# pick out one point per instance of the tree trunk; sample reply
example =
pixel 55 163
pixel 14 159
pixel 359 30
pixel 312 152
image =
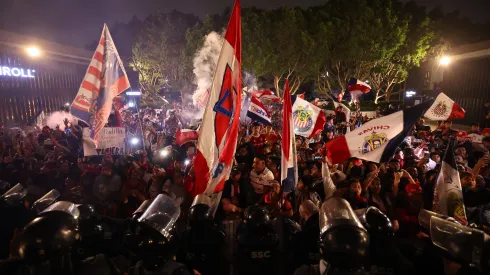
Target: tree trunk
pixel 276 85
pixel 388 92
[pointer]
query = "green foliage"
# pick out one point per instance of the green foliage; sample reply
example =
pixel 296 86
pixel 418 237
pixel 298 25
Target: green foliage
pixel 159 56
pixel 378 40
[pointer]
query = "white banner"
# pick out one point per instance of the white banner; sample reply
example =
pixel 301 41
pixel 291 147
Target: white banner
pixel 111 141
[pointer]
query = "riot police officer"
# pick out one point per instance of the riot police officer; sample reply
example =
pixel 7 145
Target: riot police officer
pixel 155 239
pixel 467 246
pixel 202 242
pixel 14 208
pixel 45 201
pixel 44 246
pixel 344 242
pixel 257 243
pixel 384 258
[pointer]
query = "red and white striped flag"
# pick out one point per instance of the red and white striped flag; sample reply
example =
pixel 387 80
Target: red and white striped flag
pixel 104 80
pixel 266 95
pixel 219 129
pixel 289 168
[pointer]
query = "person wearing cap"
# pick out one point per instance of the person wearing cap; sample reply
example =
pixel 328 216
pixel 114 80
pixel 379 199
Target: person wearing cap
pixel 260 176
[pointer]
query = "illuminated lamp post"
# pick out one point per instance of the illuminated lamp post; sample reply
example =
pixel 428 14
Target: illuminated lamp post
pixel 33 51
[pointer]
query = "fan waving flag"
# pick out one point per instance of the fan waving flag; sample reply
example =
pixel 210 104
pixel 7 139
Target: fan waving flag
pixel 308 119
pixel 257 111
pixel 357 88
pixel 448 195
pixel 377 139
pixel 185 135
pixel 104 80
pixel 219 129
pixel 266 95
pixel 289 168
pixel 444 108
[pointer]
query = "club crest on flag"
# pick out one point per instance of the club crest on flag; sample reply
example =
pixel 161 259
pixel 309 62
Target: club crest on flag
pixel 440 110
pixel 302 119
pixel 224 107
pixel 373 141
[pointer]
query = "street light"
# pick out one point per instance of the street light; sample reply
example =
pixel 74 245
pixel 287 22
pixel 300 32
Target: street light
pixel 445 60
pixel 33 51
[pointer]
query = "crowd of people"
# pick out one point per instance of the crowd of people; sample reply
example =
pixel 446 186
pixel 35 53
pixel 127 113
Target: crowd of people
pixel 46 159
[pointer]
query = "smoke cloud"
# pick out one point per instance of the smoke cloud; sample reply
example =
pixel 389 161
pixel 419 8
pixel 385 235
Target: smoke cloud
pixel 205 65
pixel 57 118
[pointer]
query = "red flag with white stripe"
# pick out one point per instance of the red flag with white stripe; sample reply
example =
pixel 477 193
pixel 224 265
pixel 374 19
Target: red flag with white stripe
pixel 185 135
pixel 289 168
pixel 266 95
pixel 444 108
pixel 219 129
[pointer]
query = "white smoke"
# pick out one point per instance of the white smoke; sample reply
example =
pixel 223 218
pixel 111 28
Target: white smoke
pixel 205 65
pixel 57 118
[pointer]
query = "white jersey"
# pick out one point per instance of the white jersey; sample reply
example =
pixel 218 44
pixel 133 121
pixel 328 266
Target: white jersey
pixel 258 181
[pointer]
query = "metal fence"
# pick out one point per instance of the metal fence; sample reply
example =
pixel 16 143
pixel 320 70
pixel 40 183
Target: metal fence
pixel 468 83
pixel 53 85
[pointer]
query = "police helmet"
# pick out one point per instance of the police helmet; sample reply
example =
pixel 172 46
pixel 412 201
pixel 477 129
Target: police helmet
pixel 377 222
pixel 50 234
pixel 344 242
pixel 201 211
pixel 257 216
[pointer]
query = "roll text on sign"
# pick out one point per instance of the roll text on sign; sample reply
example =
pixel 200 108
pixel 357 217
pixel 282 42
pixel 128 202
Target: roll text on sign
pixel 111 141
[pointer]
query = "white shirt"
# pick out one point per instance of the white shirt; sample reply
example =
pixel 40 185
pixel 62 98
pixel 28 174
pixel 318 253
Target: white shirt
pixel 258 181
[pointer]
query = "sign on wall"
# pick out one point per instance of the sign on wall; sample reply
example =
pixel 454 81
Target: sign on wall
pixel 111 142
pixel 16 72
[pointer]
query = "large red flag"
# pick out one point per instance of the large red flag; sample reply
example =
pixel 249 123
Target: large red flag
pixel 289 168
pixel 218 137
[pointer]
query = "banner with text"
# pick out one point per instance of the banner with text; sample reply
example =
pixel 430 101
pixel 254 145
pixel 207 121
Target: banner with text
pixel 111 141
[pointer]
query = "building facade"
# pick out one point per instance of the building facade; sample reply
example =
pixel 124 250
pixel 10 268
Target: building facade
pixel 31 82
pixel 466 79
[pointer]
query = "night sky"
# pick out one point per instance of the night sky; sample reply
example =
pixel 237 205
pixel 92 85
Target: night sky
pixel 78 22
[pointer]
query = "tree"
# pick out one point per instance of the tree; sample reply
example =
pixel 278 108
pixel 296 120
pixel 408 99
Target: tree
pixel 277 45
pixel 159 55
pixel 418 44
pixel 353 37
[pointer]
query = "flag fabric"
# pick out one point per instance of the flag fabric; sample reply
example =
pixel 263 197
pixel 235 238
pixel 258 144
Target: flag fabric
pixel 357 88
pixel 308 119
pixel 218 137
pixel 378 139
pixel 289 168
pixel 317 102
pixel 104 80
pixel 266 95
pixel 302 96
pixel 448 195
pixel 40 115
pixel 183 136
pixel 257 111
pixel 340 96
pixel 444 108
